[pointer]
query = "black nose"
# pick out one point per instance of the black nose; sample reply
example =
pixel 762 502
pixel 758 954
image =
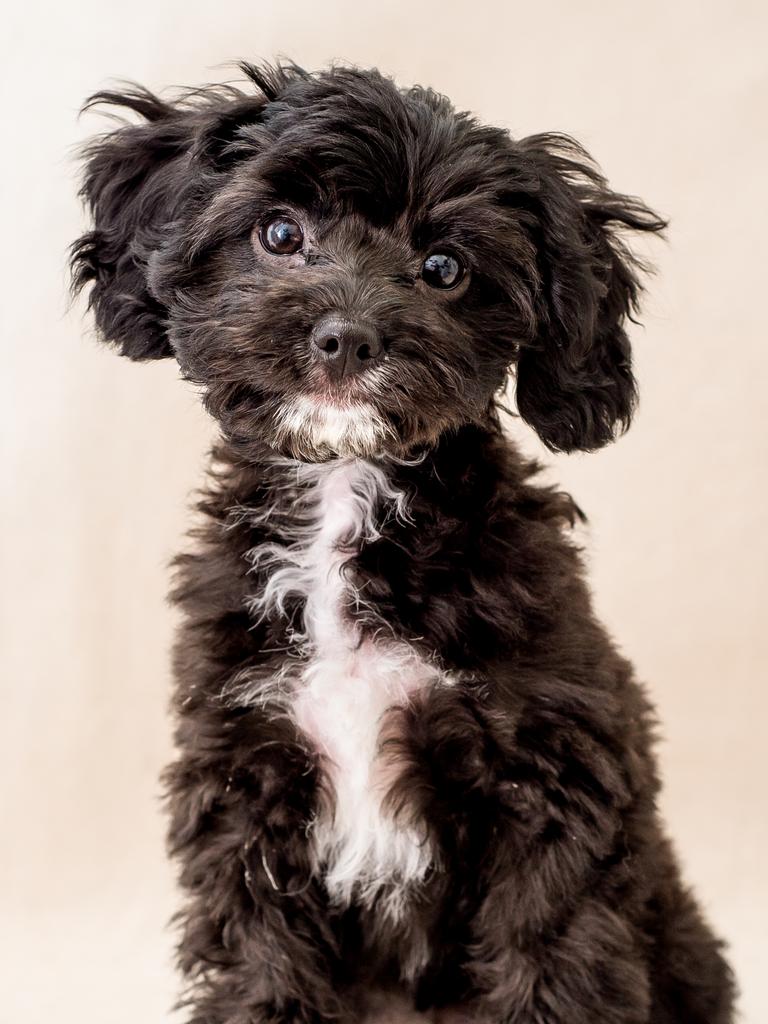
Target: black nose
pixel 347 346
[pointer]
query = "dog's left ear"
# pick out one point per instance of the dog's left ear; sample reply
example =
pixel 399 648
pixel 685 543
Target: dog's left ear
pixel 575 385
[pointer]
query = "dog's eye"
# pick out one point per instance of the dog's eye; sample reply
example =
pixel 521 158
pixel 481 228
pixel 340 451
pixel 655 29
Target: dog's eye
pixel 442 270
pixel 282 236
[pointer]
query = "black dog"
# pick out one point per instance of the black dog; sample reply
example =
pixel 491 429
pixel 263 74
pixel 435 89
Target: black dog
pixel 412 766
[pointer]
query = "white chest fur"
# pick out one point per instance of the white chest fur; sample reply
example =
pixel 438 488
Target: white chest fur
pixel 346 684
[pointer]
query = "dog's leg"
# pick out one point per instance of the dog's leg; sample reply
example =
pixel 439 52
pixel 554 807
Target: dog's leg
pixel 538 804
pixel 593 969
pixel 584 919
pixel 259 943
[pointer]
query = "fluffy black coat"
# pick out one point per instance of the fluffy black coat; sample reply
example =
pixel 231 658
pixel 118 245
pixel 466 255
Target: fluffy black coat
pixel 552 896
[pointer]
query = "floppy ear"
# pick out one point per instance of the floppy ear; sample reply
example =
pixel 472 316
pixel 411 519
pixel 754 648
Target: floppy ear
pixel 140 181
pixel 132 183
pixel 574 378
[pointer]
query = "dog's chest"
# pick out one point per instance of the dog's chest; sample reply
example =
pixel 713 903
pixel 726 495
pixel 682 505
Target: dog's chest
pixel 349 687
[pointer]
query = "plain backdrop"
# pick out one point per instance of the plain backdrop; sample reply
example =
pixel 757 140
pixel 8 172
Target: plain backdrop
pixel 100 456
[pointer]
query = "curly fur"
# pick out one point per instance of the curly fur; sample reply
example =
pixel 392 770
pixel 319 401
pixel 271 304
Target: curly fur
pixel 413 772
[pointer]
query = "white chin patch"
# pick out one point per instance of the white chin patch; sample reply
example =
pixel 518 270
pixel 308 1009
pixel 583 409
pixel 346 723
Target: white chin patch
pixel 313 427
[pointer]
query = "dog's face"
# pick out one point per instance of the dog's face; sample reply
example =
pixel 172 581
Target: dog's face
pixel 347 268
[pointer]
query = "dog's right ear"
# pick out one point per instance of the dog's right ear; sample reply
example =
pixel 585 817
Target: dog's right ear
pixel 140 180
pixel 133 177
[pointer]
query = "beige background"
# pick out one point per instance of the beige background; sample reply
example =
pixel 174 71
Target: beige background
pixel 100 455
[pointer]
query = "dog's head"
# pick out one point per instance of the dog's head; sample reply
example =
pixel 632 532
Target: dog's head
pixel 349 268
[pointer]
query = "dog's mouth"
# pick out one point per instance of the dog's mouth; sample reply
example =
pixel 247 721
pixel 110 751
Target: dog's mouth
pixel 320 417
pixel 316 425
pixel 345 391
pixel 336 416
